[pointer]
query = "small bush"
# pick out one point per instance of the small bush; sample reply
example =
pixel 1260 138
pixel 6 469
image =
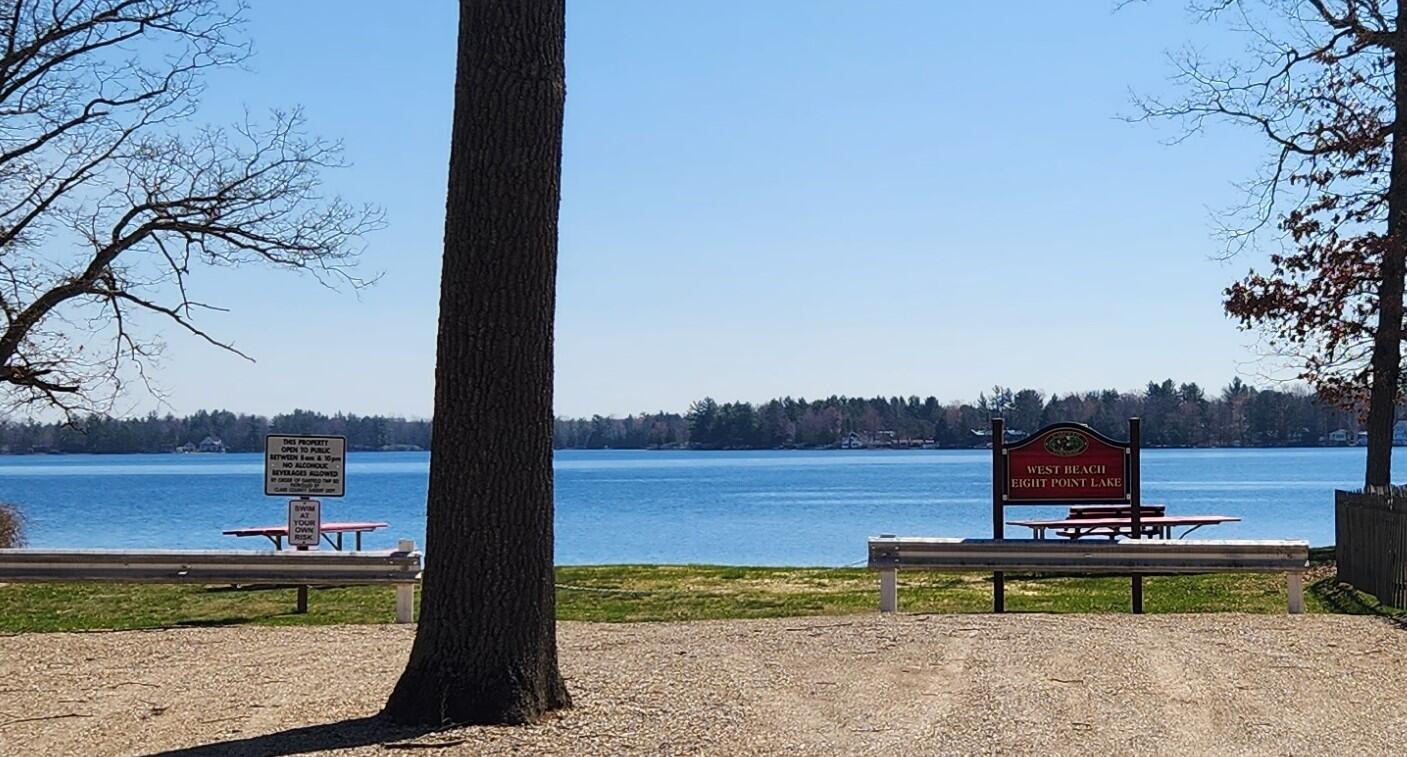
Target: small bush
pixel 11 527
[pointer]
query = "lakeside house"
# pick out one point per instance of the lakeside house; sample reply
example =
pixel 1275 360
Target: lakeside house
pixel 208 444
pixel 983 437
pixel 1345 437
pixel 875 440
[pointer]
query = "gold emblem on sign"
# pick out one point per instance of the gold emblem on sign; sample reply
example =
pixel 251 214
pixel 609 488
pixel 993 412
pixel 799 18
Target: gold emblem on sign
pixel 1066 443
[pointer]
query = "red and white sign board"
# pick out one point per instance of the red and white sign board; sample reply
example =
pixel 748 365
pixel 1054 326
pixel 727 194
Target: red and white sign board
pixel 1066 463
pixel 304 522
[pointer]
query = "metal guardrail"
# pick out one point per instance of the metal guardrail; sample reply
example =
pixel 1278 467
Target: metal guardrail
pixel 889 554
pixel 1139 555
pixel 400 567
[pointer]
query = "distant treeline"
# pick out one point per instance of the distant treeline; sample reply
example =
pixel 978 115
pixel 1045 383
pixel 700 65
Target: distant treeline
pixel 1174 415
pixel 235 432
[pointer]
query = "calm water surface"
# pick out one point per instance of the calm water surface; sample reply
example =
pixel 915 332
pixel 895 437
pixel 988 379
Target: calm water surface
pixel 745 508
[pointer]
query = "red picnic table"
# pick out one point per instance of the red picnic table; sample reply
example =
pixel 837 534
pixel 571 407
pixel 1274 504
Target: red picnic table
pixel 1158 526
pixel 277 534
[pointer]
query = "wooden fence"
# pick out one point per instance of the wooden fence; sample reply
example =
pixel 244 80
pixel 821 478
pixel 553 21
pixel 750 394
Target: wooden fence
pixel 1371 543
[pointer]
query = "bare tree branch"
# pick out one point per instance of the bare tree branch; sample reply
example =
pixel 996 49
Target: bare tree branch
pixel 89 91
pixel 1317 83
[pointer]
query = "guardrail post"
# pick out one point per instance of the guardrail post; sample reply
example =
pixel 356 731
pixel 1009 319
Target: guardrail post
pixel 1296 593
pixel 889 590
pixel 405 602
pixel 405 593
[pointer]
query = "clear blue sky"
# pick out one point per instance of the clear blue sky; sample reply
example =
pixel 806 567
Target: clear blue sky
pixel 765 198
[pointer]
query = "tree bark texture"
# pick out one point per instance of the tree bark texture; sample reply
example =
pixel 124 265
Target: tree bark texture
pixel 485 650
pixel 1387 341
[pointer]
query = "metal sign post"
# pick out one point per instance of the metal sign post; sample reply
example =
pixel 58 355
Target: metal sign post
pixel 304 530
pixel 998 516
pixel 1135 500
pixel 303 465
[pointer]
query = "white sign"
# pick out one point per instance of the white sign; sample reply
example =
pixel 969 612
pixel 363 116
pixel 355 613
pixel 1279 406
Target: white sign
pixel 303 466
pixel 304 522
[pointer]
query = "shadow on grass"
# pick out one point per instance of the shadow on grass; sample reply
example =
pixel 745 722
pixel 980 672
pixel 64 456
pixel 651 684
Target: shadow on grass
pixel 1038 577
pixel 1344 599
pixel 344 734
pixel 214 622
pixel 245 588
pixel 252 588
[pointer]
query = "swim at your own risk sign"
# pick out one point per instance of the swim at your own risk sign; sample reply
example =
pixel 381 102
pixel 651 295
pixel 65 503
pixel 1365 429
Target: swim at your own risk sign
pixel 304 522
pixel 305 466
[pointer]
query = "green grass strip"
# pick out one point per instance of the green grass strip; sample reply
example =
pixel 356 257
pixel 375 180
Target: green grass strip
pixel 638 593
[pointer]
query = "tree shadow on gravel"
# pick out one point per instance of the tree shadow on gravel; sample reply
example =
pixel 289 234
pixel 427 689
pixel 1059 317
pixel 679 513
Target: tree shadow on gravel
pixel 345 734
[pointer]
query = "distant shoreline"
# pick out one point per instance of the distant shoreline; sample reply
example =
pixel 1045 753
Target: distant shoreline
pixel 875 450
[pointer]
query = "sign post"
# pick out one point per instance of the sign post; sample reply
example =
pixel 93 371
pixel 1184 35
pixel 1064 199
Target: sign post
pixel 1065 463
pixel 300 465
pixel 998 519
pixel 1135 499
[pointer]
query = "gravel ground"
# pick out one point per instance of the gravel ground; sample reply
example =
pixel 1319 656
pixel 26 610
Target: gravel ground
pixel 950 684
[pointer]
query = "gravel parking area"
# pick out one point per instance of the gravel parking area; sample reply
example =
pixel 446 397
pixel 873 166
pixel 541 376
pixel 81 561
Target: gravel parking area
pixel 949 684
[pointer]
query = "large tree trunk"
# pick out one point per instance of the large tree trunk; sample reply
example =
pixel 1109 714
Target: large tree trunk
pixel 485 650
pixel 1387 341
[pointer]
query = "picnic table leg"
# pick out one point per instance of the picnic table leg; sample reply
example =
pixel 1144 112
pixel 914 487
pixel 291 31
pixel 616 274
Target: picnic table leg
pixel 889 590
pixel 359 541
pixel 1296 593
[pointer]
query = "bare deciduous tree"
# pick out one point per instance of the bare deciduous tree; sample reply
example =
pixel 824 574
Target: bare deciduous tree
pixel 110 198
pixel 1322 81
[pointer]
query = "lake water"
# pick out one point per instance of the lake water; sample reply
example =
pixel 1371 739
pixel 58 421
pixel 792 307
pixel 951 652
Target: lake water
pixel 742 508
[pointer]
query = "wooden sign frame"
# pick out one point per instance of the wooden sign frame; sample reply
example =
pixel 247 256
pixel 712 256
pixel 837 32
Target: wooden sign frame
pixel 1002 495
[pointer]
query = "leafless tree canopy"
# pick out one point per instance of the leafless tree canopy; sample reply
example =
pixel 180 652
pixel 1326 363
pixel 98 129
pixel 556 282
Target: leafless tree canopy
pixel 110 196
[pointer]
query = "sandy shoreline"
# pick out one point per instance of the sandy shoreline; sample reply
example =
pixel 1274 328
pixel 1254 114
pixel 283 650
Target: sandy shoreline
pixel 949 684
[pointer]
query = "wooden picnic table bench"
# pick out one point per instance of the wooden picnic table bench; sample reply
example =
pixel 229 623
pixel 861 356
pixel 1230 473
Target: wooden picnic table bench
pixel 1115 511
pixel 278 533
pixel 1158 527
